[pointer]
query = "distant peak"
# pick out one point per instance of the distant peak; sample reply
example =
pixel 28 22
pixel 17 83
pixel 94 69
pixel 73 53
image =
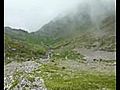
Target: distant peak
pixel 14 29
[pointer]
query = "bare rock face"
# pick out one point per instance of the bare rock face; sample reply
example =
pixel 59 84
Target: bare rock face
pixel 20 76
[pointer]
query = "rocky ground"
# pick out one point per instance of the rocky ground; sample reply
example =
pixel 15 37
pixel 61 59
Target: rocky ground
pixel 93 54
pixel 45 74
pixel 19 76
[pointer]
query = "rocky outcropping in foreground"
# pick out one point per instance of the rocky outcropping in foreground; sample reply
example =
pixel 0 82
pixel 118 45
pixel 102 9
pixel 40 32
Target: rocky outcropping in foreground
pixel 20 76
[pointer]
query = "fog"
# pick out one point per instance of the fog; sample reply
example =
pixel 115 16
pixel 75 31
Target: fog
pixel 31 15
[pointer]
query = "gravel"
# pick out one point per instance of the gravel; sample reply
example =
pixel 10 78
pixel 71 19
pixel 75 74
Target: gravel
pixel 16 76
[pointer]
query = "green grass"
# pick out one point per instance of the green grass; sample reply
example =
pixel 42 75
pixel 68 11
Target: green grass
pixel 67 53
pixel 14 84
pixel 83 82
pixel 22 50
pixel 57 78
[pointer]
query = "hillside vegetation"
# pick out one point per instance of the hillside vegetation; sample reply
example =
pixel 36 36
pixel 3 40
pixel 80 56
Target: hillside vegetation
pixel 75 51
pixel 16 50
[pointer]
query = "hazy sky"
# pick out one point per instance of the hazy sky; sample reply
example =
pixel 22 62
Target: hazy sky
pixel 32 14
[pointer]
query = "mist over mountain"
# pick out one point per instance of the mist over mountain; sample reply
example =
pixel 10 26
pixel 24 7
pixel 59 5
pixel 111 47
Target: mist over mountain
pixel 93 17
pixel 73 51
pixel 87 17
pixel 41 12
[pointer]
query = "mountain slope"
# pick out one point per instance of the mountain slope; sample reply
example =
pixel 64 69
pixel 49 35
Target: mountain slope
pixel 18 50
pixel 16 33
pixel 86 26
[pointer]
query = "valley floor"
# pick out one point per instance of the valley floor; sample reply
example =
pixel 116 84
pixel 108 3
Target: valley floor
pixel 60 75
